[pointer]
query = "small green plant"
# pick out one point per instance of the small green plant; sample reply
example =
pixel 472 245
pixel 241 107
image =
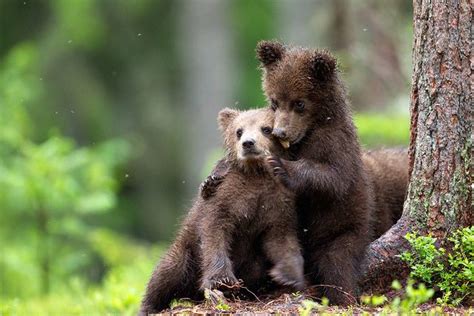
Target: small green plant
pixel 216 299
pixel 307 306
pixel 452 273
pixel 406 304
pixel 373 300
pixel 325 301
pixel 296 294
pixel 181 303
pixel 223 307
pixel 413 297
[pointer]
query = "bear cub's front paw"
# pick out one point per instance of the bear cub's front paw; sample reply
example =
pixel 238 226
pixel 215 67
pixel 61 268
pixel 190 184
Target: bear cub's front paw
pixel 277 168
pixel 223 280
pixel 209 186
pixel 289 272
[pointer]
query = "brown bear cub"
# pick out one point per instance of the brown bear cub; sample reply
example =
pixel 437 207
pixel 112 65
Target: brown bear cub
pixel 388 174
pixel 334 197
pixel 247 230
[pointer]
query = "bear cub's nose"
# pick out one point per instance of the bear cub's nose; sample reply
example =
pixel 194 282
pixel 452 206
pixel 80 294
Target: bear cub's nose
pixel 279 133
pixel 248 144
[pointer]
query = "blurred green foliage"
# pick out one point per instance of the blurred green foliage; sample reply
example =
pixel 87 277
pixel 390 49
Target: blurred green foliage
pixel 405 304
pixel 130 264
pixel 94 130
pixel 383 129
pixel 49 190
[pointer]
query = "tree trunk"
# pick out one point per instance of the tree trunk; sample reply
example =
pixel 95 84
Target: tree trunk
pixel 340 40
pixel 439 198
pixel 209 78
pixel 293 21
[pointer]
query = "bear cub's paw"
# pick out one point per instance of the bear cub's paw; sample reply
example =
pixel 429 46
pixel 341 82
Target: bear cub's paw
pixel 289 272
pixel 209 186
pixel 222 280
pixel 277 168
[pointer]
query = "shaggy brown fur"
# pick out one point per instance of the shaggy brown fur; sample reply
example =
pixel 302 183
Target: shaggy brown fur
pixel 388 173
pixel 247 230
pixel 334 186
pixel 334 196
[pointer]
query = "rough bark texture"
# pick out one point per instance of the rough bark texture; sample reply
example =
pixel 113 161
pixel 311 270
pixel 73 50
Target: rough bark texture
pixel 439 198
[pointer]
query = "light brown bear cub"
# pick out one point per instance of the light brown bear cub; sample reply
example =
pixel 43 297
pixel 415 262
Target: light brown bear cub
pixel 247 230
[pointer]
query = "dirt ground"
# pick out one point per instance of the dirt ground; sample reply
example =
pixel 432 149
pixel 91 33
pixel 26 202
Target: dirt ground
pixel 298 304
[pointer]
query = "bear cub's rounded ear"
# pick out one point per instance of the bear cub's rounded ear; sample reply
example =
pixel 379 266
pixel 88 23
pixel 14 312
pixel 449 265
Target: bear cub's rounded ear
pixel 323 65
pixel 269 52
pixel 225 117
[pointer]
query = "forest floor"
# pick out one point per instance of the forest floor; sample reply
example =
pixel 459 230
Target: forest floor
pixel 300 304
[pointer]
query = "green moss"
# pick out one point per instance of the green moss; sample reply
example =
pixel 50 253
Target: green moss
pixel 419 208
pixel 455 201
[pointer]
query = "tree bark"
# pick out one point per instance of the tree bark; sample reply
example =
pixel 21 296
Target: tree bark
pixel 439 198
pixel 209 76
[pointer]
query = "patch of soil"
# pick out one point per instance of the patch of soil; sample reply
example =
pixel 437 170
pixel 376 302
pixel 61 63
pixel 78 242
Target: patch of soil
pixel 294 304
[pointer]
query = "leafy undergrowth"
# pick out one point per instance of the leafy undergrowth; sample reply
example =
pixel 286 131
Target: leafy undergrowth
pixel 302 304
pixel 451 273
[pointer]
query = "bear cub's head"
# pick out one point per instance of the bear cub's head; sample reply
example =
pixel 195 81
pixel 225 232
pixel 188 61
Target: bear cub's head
pixel 301 86
pixel 248 135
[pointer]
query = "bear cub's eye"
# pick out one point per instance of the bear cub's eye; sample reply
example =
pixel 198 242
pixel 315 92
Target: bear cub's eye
pixel 266 130
pixel 239 133
pixel 274 104
pixel 298 105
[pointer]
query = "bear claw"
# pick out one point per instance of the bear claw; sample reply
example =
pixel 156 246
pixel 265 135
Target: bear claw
pixel 209 185
pixel 222 282
pixel 277 169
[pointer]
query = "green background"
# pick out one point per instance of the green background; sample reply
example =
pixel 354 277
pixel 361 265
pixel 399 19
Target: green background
pixel 108 125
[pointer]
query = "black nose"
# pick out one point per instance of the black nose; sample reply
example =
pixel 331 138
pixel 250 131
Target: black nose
pixel 279 132
pixel 248 144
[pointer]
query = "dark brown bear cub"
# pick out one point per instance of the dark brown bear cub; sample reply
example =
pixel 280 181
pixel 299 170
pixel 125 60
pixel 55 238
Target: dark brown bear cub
pixel 388 174
pixel 247 230
pixel 334 197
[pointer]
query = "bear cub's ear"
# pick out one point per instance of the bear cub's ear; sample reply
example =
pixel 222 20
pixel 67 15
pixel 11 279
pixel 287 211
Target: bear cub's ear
pixel 225 117
pixel 323 65
pixel 269 52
